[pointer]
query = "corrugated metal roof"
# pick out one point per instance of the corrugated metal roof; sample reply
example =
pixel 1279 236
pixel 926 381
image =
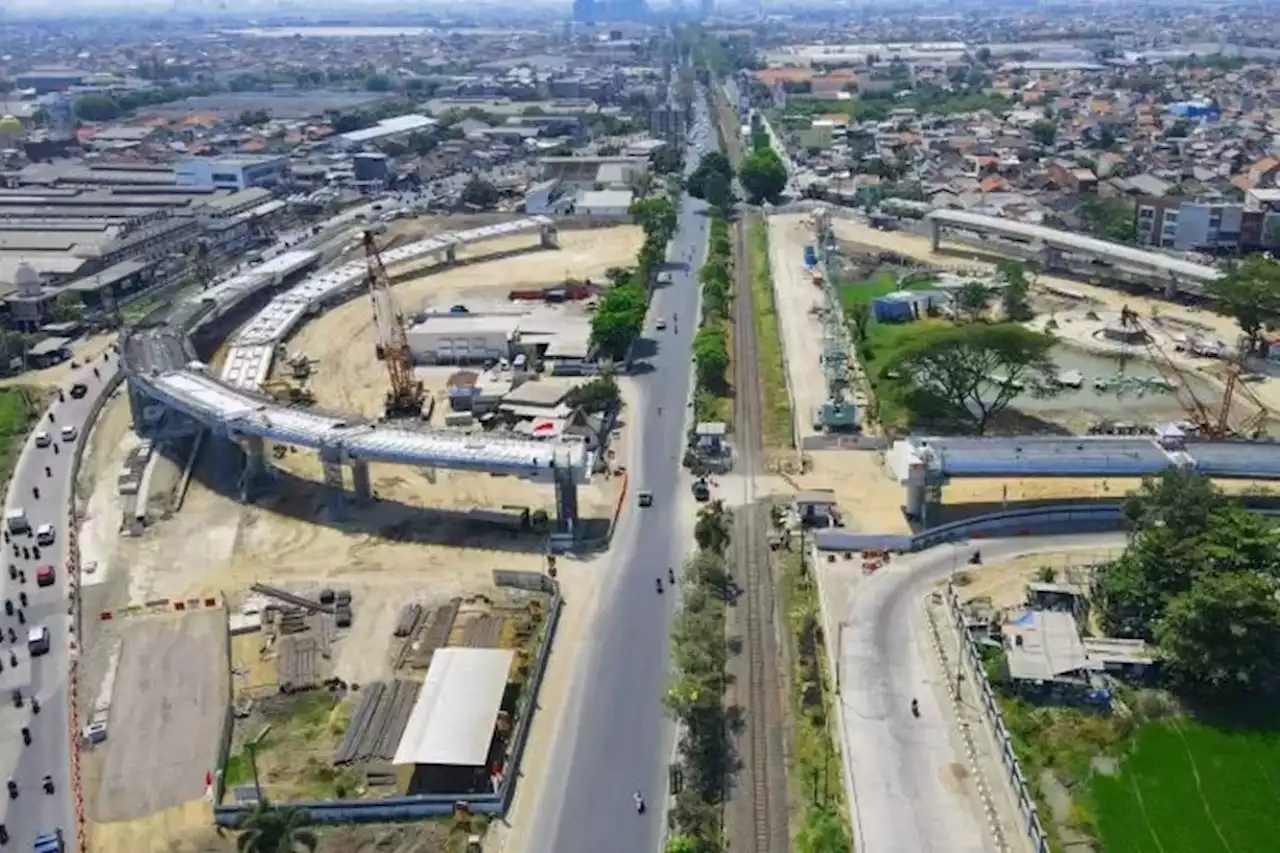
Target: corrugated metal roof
pixel 452 721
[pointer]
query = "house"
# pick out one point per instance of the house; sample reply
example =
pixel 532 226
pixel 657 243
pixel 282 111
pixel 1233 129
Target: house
pixel 817 508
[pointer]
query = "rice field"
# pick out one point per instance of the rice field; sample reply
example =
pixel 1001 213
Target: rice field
pixel 1187 787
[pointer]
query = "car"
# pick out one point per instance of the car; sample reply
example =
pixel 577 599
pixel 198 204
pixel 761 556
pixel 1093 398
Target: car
pixel 661 324
pixel 646 498
pixel 43 439
pixel 45 534
pixel 79 389
pixel 45 575
pixel 38 640
pixel 69 433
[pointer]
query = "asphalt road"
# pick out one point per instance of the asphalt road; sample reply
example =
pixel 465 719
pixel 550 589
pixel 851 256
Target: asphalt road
pixel 903 796
pixel 619 738
pixel 44 677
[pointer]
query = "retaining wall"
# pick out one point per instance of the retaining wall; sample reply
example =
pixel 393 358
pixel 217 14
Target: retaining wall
pixel 434 805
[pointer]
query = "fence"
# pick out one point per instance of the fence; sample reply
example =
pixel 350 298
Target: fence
pixel 971 659
pixel 433 805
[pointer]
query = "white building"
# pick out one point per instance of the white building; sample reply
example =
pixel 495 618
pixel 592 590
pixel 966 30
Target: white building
pixel 388 128
pixel 231 173
pixel 463 338
pixel 604 204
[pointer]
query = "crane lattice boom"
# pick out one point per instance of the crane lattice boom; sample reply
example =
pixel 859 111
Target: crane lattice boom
pixel 406 395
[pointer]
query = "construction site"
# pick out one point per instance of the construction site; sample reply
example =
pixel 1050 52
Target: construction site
pixel 428 536
pixel 1126 363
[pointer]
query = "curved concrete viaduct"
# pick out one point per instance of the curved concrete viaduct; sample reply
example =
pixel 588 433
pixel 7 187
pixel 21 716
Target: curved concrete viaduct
pixel 174 394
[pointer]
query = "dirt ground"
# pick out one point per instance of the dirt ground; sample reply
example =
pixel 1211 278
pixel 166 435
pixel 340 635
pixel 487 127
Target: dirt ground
pixel 349 378
pixel 801 327
pixel 1004 584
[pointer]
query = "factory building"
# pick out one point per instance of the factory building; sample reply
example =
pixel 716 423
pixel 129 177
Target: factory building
pixel 462 337
pixel 232 173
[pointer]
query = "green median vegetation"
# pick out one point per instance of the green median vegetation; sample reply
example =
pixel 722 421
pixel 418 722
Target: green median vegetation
pixel 696 694
pixel 713 396
pixel 775 403
pixel 619 319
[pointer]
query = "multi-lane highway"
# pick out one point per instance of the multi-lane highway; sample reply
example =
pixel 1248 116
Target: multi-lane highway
pixel 903 796
pixel 616 739
pixel 34 812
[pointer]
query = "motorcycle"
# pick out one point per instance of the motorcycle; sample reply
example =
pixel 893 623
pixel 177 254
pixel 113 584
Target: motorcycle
pixel 35 705
pixel 26 735
pixel 975 558
pixel 48 472
pixel 22 597
pixel 13 637
pixel 671 576
pixel 659 582
pixel 915 709
pixel 35 492
pixel 51 418
pixel 22 619
pixel 639 802
pixel 48 784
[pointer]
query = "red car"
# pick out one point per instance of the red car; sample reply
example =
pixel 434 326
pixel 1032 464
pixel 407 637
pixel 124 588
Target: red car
pixel 44 576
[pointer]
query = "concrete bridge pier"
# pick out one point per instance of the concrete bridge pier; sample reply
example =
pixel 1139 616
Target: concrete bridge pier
pixel 331 465
pixel 548 237
pixel 566 500
pixel 255 465
pixel 360 482
pixel 1171 288
pixel 450 255
pixel 935 234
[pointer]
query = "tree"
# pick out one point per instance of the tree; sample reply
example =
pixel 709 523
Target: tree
pixel 1250 294
pixel 711 162
pixel 601 394
pixel 1109 218
pixel 1045 133
pixel 950 369
pixel 1220 639
pixel 1016 296
pixel 657 217
pixel 711 357
pixel 378 83
pixel 666 160
pixel 275 829
pixel 983 55
pixel 718 192
pixel 95 107
pixel 860 317
pixel 763 176
pixel 479 193
pixel 711 531
pixel 618 320
pixel 66 308
pixel 972 300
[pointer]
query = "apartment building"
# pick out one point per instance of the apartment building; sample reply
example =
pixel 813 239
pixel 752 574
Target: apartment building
pixel 1172 223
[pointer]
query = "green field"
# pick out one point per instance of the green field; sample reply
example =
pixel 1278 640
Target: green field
pixel 1190 788
pixel 17 409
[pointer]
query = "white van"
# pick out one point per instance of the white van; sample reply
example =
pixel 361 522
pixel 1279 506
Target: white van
pixel 16 520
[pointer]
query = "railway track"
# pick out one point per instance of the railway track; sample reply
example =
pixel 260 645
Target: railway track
pixel 758 806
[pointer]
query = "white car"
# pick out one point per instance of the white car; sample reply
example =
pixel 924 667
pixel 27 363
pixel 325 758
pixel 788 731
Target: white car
pixel 44 534
pixel 43 439
pixel 69 433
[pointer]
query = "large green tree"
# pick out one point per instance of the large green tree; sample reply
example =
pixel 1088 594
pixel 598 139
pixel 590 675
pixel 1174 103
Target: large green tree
pixel 713 162
pixel 1016 296
pixel 618 320
pixel 1250 294
pixel 763 176
pixel 479 193
pixel 711 357
pixel 970 374
pixel 1220 639
pixel 275 829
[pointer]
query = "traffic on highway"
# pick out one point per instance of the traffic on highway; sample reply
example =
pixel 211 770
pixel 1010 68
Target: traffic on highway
pixel 39 620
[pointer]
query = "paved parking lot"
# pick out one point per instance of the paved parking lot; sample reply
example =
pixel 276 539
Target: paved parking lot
pixel 168 703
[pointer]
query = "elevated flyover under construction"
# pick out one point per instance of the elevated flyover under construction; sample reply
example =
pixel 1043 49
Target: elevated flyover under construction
pixel 173 394
pixel 922 464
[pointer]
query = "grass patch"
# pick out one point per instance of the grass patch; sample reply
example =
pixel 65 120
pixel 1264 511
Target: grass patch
pixel 775 404
pixel 19 407
pixel 859 292
pixel 1188 787
pixel 815 781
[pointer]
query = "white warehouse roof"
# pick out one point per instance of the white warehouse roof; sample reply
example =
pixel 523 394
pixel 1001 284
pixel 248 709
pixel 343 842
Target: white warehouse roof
pixel 388 127
pixel 453 720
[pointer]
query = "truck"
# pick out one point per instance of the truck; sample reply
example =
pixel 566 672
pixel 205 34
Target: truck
pixel 810 256
pixel 50 842
pixel 16 520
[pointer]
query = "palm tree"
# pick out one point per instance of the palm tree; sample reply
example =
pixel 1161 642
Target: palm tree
pixel 271 829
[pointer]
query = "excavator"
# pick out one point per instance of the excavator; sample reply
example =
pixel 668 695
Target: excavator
pixel 406 396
